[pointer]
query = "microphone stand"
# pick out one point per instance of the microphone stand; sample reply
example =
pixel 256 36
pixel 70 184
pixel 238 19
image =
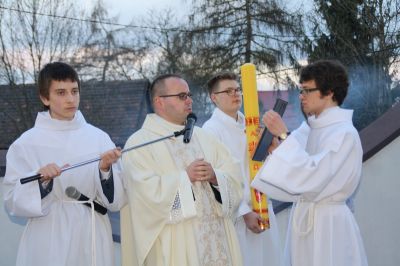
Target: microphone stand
pixel 38 176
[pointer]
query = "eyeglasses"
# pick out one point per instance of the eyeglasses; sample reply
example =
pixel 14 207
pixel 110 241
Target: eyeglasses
pixel 181 96
pixel 307 91
pixel 231 91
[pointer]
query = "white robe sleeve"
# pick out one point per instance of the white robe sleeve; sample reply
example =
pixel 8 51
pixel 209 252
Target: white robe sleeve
pixel 22 200
pixel 212 128
pixel 290 171
pixel 152 187
pixel 228 173
pixel 119 199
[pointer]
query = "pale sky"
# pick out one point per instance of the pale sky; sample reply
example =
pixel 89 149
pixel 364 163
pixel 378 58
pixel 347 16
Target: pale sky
pixel 129 9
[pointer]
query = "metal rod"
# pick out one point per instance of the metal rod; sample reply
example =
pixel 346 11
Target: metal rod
pixel 38 176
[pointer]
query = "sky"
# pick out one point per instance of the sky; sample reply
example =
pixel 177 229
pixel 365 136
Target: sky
pixel 129 9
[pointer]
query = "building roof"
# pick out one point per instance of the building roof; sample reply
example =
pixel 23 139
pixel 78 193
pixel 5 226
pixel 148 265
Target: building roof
pixel 381 132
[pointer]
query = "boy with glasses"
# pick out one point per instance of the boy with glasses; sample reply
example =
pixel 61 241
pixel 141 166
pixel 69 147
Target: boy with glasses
pixel 318 168
pixel 185 194
pixel 227 123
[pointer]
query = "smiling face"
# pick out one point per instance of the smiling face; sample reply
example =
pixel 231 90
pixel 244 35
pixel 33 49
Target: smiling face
pixel 63 99
pixel 314 103
pixel 229 104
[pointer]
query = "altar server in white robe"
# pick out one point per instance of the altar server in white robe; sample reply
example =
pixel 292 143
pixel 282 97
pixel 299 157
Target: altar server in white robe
pixel 318 168
pixel 227 123
pixel 61 230
pixel 182 197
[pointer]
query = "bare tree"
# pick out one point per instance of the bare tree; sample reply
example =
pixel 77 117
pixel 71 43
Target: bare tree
pixel 171 50
pixel 236 32
pixel 109 53
pixel 32 33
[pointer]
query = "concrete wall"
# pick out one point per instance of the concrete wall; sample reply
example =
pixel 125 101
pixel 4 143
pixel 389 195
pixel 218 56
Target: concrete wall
pixel 10 234
pixel 377 206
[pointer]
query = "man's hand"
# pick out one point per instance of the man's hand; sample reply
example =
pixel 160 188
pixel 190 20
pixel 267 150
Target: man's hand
pixel 108 158
pixel 50 171
pixel 274 144
pixel 200 170
pixel 274 123
pixel 252 220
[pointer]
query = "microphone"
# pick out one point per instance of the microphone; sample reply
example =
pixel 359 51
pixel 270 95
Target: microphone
pixel 73 193
pixel 190 121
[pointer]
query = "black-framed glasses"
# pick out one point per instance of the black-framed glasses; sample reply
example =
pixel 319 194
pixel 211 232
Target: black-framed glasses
pixel 307 91
pixel 231 91
pixel 181 96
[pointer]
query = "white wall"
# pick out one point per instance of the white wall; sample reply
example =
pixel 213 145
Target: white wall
pixel 377 206
pixel 10 234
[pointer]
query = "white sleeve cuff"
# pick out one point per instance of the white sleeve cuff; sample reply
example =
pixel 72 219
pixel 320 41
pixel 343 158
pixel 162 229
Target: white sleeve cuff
pixel 186 197
pixel 105 175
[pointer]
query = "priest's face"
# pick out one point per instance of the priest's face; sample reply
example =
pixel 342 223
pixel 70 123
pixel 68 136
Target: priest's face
pixel 312 101
pixel 174 103
pixel 228 97
pixel 63 100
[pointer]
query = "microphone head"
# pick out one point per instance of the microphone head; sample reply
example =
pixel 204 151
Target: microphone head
pixel 72 192
pixel 191 116
pixel 190 121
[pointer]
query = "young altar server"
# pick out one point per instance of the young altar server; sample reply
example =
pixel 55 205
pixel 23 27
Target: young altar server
pixel 227 123
pixel 318 168
pixel 61 230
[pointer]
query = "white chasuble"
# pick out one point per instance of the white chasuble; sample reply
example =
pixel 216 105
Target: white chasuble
pixel 180 223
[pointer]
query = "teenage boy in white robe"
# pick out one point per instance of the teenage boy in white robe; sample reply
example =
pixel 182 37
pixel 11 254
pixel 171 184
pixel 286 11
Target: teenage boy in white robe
pixel 60 230
pixel 318 168
pixel 186 194
pixel 227 123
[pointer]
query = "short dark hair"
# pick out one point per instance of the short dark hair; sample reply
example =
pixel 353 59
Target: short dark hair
pixel 329 76
pixel 213 83
pixel 158 83
pixel 55 71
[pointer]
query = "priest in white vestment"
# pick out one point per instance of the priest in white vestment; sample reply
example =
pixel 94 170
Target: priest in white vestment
pixel 227 123
pixel 182 197
pixel 318 168
pixel 61 230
